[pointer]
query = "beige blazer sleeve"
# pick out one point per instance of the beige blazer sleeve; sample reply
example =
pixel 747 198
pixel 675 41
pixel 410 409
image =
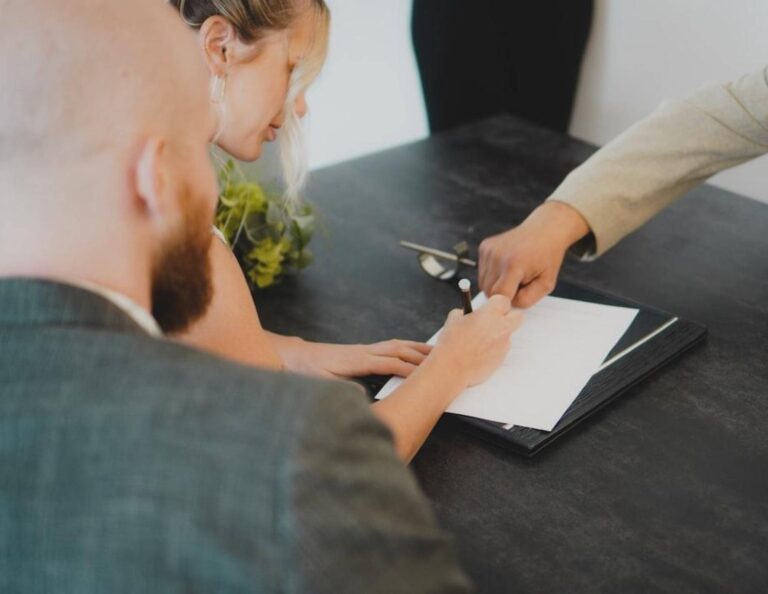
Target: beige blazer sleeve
pixel 662 157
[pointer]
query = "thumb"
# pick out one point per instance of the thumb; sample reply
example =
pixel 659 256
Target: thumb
pixel 454 316
pixel 508 284
pixel 531 293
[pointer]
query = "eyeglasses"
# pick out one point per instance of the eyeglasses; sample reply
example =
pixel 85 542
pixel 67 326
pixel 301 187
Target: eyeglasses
pixel 440 264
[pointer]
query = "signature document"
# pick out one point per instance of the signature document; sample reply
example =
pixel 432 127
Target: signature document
pixel 560 345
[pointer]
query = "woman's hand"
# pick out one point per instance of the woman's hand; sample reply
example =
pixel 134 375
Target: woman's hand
pixel 468 350
pixel 523 263
pixel 474 345
pixel 392 357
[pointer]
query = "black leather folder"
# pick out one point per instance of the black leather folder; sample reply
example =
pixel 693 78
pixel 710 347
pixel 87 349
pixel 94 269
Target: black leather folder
pixel 654 340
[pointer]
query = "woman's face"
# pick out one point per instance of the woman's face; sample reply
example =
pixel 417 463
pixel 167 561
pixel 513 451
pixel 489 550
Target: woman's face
pixel 257 84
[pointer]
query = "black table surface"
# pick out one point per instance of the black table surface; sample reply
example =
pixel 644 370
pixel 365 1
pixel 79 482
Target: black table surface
pixel 666 490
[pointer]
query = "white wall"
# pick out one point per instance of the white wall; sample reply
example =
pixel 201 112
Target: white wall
pixel 644 51
pixel 368 96
pixel 641 51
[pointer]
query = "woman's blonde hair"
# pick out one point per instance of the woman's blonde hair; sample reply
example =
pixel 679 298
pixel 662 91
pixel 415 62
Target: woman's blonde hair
pixel 253 19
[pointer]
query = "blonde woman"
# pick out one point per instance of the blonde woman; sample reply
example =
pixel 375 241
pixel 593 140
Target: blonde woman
pixel 262 56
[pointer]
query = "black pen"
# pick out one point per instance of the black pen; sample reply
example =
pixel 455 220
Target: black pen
pixel 466 295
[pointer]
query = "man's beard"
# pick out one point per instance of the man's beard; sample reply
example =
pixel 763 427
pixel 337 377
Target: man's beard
pixel 181 278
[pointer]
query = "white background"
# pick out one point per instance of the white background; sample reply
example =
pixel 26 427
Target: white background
pixel 369 98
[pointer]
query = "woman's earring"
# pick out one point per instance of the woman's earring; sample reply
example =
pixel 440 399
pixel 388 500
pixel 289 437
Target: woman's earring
pixel 218 89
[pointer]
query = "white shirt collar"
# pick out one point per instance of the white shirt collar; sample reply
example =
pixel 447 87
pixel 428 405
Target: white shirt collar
pixel 137 313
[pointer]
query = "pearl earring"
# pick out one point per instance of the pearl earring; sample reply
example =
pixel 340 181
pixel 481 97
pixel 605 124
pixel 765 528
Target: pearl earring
pixel 218 89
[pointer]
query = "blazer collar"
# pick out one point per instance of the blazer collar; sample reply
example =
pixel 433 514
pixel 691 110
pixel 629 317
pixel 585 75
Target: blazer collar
pixel 25 301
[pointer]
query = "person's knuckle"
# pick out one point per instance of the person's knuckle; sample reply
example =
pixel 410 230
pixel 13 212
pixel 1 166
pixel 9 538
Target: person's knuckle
pixel 514 268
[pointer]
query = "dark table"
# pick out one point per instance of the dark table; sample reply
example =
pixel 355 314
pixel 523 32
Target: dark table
pixel 666 490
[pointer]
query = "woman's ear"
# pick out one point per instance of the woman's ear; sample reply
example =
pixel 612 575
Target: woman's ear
pixel 217 37
pixel 151 178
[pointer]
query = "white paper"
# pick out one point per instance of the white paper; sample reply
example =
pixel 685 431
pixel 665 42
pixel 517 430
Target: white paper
pixel 559 346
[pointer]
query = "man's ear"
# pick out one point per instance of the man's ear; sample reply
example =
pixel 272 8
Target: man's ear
pixel 217 38
pixel 152 184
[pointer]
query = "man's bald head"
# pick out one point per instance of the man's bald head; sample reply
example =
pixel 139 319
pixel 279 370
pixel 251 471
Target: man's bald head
pixel 104 127
pixel 84 76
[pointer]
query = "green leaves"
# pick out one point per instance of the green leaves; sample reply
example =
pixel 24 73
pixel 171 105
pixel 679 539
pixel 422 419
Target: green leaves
pixel 268 239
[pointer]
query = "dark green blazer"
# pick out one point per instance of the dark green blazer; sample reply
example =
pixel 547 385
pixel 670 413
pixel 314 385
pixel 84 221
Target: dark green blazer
pixel 132 464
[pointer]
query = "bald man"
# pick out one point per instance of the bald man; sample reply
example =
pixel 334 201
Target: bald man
pixel 131 463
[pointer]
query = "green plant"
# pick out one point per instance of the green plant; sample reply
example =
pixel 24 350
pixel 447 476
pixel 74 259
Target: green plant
pixel 268 238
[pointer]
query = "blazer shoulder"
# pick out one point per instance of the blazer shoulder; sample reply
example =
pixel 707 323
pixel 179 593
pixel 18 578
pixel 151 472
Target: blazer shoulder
pixel 174 370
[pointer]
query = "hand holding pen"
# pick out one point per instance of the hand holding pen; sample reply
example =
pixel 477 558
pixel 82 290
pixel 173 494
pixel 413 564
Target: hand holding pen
pixel 477 342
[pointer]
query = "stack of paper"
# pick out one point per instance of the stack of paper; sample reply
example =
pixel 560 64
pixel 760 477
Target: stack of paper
pixel 559 347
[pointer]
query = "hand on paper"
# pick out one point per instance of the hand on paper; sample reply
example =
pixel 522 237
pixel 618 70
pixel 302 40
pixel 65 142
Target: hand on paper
pixel 523 263
pixel 477 343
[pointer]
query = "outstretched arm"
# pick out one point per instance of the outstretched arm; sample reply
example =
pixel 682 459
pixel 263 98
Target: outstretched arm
pixel 627 182
pixel 662 157
pixel 231 328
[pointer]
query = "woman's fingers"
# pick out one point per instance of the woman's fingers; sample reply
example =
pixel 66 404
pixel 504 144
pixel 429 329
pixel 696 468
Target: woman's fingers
pixel 392 366
pixel 422 347
pixel 410 355
pixel 413 352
